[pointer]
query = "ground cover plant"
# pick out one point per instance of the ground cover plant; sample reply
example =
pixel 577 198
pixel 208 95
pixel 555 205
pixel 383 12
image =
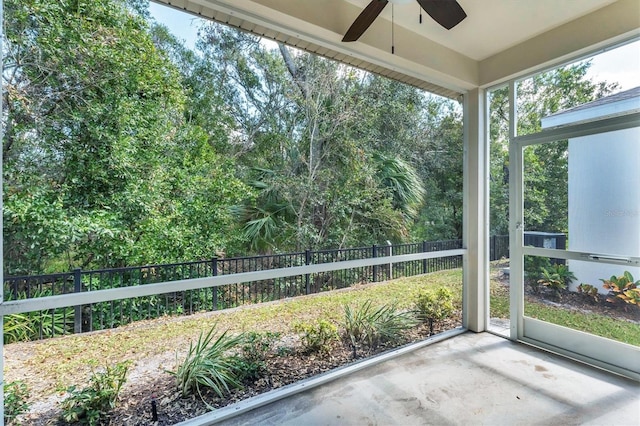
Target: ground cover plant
pixel 91 404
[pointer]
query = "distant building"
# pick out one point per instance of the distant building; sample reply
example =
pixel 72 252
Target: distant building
pixel 604 188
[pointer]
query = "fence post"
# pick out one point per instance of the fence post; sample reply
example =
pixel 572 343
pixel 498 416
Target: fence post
pixel 375 267
pixel 214 271
pixel 424 261
pixel 77 288
pixel 390 253
pixel 307 261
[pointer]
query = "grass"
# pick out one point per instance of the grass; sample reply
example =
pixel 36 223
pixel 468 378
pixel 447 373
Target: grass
pixel 600 325
pixel 55 364
pixel 597 324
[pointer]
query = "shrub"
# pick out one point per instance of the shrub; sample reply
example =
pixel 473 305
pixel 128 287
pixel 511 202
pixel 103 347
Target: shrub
pixel 15 400
pixel 433 306
pixel 31 325
pixel 557 278
pixel 17 328
pixel 370 327
pixel 590 291
pixel 316 337
pixel 623 289
pixel 209 364
pixel 93 403
pixel 251 363
pixel 533 266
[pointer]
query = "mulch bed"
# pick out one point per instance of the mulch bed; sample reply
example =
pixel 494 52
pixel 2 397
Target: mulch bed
pixel 287 363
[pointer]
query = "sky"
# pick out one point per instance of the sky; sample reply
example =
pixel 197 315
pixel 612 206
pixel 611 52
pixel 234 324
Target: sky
pixel 621 64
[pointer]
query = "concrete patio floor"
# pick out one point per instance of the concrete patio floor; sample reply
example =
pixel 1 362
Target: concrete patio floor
pixel 471 379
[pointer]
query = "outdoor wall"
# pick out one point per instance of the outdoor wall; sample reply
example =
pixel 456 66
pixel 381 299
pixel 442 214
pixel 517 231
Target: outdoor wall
pixel 604 202
pixel 604 190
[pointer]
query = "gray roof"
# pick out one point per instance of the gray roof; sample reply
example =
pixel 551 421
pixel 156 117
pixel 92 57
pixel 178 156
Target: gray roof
pixel 616 97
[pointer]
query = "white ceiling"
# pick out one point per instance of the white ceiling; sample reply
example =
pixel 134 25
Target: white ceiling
pixel 491 26
pixel 499 39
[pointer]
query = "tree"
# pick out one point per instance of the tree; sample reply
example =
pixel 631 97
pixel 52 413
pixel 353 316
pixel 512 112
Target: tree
pixel 545 165
pixel 100 165
pixel 316 183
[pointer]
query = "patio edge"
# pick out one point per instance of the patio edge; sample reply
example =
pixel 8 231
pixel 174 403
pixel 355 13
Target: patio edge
pixel 247 405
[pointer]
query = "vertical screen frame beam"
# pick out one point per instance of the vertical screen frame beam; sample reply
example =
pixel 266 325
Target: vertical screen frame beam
pixel 476 211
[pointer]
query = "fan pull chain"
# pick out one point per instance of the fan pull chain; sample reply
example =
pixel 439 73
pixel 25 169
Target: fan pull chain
pixel 420 12
pixel 393 47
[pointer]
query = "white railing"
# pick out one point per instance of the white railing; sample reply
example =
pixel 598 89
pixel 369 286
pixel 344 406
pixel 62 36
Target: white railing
pixel 89 297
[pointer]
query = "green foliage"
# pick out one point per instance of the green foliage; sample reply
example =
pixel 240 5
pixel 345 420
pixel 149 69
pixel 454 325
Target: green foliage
pixel 623 289
pixel 317 336
pixel 93 403
pixel 15 400
pixel 17 328
pixel 533 270
pixel 103 165
pixel 556 277
pixel 590 291
pixel 369 327
pixel 209 365
pixel 251 363
pixel 402 180
pixel 434 305
pixel 546 165
pixel 34 325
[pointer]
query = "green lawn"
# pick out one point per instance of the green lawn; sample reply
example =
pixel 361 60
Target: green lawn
pixel 597 324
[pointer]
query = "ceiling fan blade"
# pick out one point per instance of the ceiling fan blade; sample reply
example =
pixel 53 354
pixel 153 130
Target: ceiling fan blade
pixel 447 13
pixel 364 20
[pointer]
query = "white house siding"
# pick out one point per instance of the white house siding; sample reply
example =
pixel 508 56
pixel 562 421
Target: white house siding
pixel 604 190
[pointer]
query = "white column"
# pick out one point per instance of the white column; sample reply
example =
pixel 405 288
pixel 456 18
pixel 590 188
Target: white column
pixel 476 212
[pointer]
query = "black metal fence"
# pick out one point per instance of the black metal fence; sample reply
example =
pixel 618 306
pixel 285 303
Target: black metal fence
pixel 106 315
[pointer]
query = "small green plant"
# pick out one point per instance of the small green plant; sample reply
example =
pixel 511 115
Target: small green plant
pixel 623 289
pixel 91 404
pixel 17 328
pixel 556 277
pixel 434 306
pixel 370 327
pixel 316 337
pixel 15 400
pixel 590 291
pixel 533 266
pixel 37 324
pixel 251 363
pixel 209 364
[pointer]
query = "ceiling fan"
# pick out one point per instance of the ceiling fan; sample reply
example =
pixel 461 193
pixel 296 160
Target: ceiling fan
pixel 447 13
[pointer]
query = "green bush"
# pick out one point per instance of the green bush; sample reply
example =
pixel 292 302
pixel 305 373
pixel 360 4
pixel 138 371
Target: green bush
pixel 251 364
pixel 316 337
pixel 15 400
pixel 28 326
pixel 209 364
pixel 623 289
pixel 590 291
pixel 557 278
pixel 93 403
pixel 433 306
pixel 370 327
pixel 533 266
